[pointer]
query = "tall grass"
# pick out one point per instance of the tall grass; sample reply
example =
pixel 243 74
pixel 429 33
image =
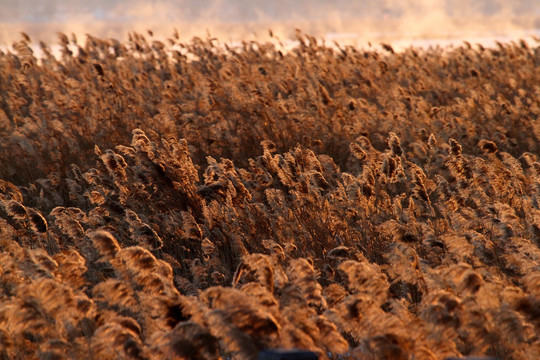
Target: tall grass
pixel 195 201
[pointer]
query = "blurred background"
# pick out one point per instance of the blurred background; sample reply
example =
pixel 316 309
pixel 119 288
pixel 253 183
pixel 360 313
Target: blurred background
pixel 405 21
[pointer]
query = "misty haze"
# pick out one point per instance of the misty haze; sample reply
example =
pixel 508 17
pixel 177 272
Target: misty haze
pixel 236 20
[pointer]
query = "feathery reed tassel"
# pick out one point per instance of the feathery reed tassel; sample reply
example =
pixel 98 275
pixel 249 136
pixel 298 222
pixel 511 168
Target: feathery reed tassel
pixel 105 243
pixel 15 209
pixel 37 221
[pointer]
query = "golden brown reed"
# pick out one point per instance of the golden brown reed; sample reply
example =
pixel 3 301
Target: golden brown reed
pixel 356 203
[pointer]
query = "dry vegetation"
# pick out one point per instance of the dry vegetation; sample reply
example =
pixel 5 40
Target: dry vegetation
pixel 210 202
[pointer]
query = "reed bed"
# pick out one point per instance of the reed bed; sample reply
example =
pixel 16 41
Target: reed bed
pixel 187 200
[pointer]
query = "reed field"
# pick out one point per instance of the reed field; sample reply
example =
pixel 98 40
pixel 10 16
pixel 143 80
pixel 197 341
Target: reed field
pixel 193 200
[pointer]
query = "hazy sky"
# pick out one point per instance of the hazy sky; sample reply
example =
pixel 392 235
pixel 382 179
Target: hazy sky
pixel 394 18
